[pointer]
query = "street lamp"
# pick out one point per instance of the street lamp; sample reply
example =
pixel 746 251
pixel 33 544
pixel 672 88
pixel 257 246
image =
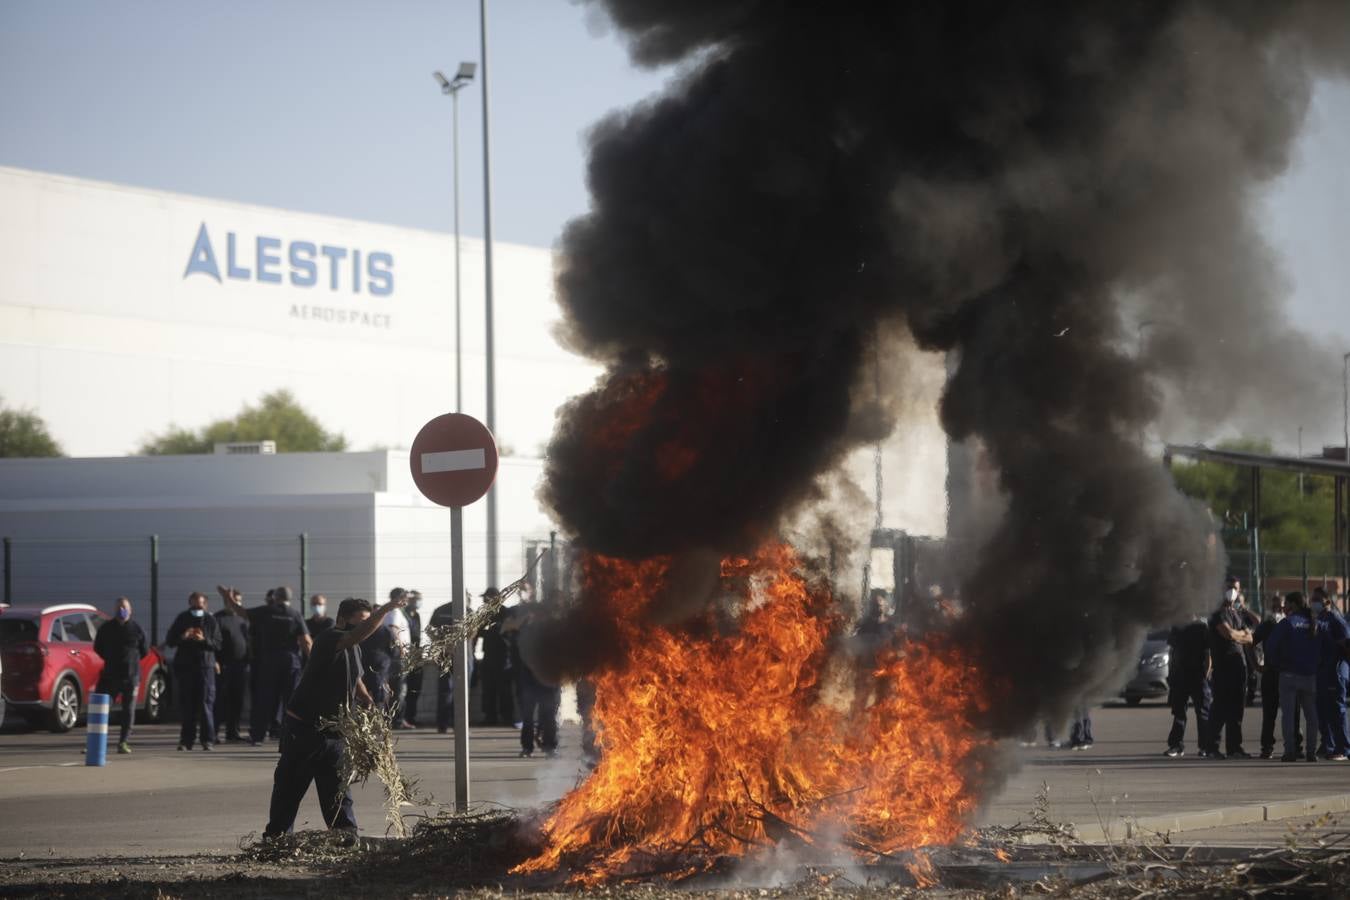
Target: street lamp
pixel 452 87
pixel 1138 355
pixel 489 351
pixel 1345 384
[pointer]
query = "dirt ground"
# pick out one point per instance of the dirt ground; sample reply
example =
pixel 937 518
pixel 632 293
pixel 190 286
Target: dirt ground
pixel 472 861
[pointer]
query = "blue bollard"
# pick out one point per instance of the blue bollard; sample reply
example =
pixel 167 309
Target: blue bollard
pixel 96 736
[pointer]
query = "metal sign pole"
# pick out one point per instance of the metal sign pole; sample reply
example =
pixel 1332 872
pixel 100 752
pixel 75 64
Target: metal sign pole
pixel 460 687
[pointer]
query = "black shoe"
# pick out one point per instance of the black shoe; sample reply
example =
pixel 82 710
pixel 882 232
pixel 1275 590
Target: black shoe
pixel 1289 757
pixel 1311 757
pixel 1267 754
pixel 208 746
pixel 255 743
pixel 526 754
pixel 1239 754
pixel 1174 752
pixel 551 754
pixel 1211 754
pixel 182 747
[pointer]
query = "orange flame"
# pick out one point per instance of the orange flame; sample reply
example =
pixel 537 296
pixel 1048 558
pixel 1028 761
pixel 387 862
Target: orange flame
pixel 731 734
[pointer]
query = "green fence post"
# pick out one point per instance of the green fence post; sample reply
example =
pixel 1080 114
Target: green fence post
pixel 304 573
pixel 9 571
pixel 154 589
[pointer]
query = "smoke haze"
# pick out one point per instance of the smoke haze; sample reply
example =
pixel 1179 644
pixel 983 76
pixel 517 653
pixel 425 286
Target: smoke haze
pixel 1059 194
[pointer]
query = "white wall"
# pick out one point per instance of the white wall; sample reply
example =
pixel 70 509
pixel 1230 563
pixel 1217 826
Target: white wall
pixel 104 333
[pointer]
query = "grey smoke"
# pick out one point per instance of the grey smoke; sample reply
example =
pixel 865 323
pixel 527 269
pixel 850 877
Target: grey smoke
pixel 1016 184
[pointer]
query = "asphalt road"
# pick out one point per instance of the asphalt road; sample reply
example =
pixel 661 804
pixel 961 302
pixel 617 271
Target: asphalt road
pixel 158 800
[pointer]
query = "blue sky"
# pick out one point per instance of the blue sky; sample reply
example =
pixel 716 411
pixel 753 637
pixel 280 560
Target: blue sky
pixel 329 107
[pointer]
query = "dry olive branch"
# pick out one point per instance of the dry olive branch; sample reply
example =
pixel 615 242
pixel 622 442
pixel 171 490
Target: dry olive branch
pixel 370 751
pixel 443 639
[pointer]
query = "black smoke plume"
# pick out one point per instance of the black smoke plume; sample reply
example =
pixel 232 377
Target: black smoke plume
pixel 1017 184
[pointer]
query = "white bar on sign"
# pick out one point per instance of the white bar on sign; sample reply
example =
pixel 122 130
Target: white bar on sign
pixel 453 461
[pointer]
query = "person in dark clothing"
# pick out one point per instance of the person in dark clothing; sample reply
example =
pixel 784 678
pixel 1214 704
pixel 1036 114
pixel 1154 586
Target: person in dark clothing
pixel 279 639
pixel 232 682
pixel 1188 684
pixel 1270 679
pixel 311 751
pixel 1249 621
pixel 318 622
pixel 412 681
pixel 377 655
pixel 495 672
pixel 196 638
pixel 1228 635
pixel 121 644
pixel 1293 649
pixel 1333 677
pixel 538 702
pixel 444 617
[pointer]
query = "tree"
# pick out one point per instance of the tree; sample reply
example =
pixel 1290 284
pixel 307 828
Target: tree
pixel 24 434
pixel 277 417
pixel 1291 521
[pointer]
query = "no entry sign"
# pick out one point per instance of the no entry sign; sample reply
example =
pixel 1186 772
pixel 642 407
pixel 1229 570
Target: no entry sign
pixel 454 460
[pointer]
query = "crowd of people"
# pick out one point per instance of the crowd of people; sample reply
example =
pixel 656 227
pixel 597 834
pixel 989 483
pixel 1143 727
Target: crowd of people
pixel 261 653
pixel 1297 654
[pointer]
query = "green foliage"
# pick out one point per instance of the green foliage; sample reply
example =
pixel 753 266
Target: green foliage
pixel 1291 522
pixel 277 417
pixel 24 434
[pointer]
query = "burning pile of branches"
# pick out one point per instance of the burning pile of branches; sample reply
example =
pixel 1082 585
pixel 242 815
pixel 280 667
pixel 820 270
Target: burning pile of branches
pixel 722 737
pixel 370 751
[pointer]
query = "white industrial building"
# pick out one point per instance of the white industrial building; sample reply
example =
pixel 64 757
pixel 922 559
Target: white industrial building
pixel 124 311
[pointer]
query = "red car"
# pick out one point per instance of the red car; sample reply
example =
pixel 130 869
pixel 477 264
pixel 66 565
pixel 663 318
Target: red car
pixel 50 667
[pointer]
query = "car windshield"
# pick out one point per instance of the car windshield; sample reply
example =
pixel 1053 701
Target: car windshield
pixel 17 631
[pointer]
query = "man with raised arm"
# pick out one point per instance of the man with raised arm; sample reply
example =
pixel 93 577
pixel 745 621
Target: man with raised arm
pixel 310 750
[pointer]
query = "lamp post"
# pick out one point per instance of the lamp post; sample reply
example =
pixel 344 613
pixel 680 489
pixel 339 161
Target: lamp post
pixel 1300 456
pixel 452 87
pixel 1345 386
pixel 1138 356
pixel 491 409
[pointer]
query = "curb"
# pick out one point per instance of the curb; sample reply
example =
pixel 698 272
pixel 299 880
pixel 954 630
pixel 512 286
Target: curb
pixel 1129 827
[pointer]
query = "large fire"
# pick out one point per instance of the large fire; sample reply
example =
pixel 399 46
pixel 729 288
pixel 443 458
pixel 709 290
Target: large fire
pixel 751 728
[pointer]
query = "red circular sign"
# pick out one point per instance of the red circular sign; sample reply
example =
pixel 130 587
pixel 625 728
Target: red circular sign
pixel 453 460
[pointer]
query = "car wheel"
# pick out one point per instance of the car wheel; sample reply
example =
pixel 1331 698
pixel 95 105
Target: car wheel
pixel 155 690
pixel 1133 700
pixel 65 706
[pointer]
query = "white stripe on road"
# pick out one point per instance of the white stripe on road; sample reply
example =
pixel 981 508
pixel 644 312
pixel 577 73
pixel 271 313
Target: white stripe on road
pixel 47 766
pixel 453 461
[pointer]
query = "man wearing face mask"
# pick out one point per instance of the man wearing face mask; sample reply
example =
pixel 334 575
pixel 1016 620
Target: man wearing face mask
pixel 121 644
pixel 1270 679
pixel 318 621
pixel 196 639
pixel 1228 636
pixel 1293 649
pixel 1333 675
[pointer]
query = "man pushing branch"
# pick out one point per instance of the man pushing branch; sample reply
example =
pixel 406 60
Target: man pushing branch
pixel 312 751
